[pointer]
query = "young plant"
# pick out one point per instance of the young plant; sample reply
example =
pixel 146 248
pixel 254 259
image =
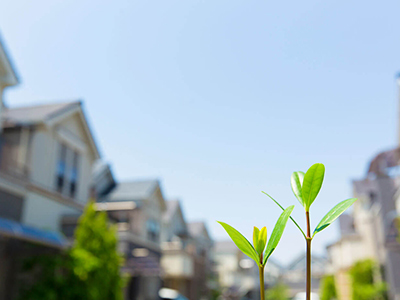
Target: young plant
pixel 306 188
pixel 256 251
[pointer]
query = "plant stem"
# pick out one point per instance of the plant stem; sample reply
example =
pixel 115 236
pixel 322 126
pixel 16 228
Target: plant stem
pixel 308 259
pixel 262 291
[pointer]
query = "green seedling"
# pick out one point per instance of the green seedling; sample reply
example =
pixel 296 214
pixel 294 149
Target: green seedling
pixel 306 188
pixel 257 251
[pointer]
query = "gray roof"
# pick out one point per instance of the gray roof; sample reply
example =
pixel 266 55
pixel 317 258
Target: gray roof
pixel 299 263
pixel 133 190
pixel 29 115
pixel 196 229
pixel 384 160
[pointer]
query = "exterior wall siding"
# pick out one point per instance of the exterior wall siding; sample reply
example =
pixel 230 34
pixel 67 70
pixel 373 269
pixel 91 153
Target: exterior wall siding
pixel 43 158
pixel 45 148
pixel 44 213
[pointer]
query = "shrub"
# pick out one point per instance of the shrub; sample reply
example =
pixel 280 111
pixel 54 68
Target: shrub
pixel 279 291
pixel 90 270
pixel 328 288
pixel 363 285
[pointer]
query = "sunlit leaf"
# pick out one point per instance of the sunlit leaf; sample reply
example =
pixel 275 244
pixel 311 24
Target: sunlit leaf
pixel 262 240
pixel 291 218
pixel 312 184
pixel 277 232
pixel 256 233
pixel 296 182
pixel 241 242
pixel 333 214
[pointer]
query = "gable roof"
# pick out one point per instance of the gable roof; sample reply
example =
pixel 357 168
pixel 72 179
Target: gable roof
pixel 102 178
pixel 133 190
pixel 47 114
pixel 32 115
pixel 380 164
pixel 299 263
pixel 172 207
pixel 196 229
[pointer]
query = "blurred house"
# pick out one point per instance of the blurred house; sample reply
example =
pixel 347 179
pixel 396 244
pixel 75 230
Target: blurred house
pixel 238 274
pixel 46 158
pixel 178 261
pixel 186 258
pixel 201 246
pixel 294 275
pixel 371 231
pixel 137 207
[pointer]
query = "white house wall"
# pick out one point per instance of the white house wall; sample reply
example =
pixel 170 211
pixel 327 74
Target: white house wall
pixel 44 155
pixel 175 265
pixel 43 158
pixel 44 213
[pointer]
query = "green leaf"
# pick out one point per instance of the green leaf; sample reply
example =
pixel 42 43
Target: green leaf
pixel 312 184
pixel 277 232
pixel 241 242
pixel 333 214
pixel 262 240
pixel 295 223
pixel 296 181
pixel 256 233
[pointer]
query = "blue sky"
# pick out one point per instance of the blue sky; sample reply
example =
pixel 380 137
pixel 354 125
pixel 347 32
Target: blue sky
pixel 220 99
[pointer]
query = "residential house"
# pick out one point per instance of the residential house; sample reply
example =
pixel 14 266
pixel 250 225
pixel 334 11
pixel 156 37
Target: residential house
pixel 371 232
pixel 46 158
pixel 137 207
pixel 294 277
pixel 238 275
pixel 342 254
pixel 177 259
pixel 47 155
pixel 201 244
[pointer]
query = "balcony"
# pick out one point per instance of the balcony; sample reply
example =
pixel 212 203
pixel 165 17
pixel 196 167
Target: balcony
pixel 15 169
pixel 176 261
pixel 13 162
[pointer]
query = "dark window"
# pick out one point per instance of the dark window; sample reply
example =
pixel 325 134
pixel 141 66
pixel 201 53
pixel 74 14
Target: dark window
pixel 153 230
pixel 73 181
pixel 11 206
pixel 68 229
pixel 67 173
pixel 61 166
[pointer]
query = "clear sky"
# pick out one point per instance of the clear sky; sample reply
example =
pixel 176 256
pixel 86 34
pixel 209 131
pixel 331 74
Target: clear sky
pixel 220 99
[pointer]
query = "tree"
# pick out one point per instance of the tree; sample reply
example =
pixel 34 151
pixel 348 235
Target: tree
pixel 278 292
pixel 364 287
pixel 90 270
pixel 328 288
pixel 96 260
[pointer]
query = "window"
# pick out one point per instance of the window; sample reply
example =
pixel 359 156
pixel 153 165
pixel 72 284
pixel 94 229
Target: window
pixel 67 172
pixel 61 165
pixel 73 175
pixel 153 230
